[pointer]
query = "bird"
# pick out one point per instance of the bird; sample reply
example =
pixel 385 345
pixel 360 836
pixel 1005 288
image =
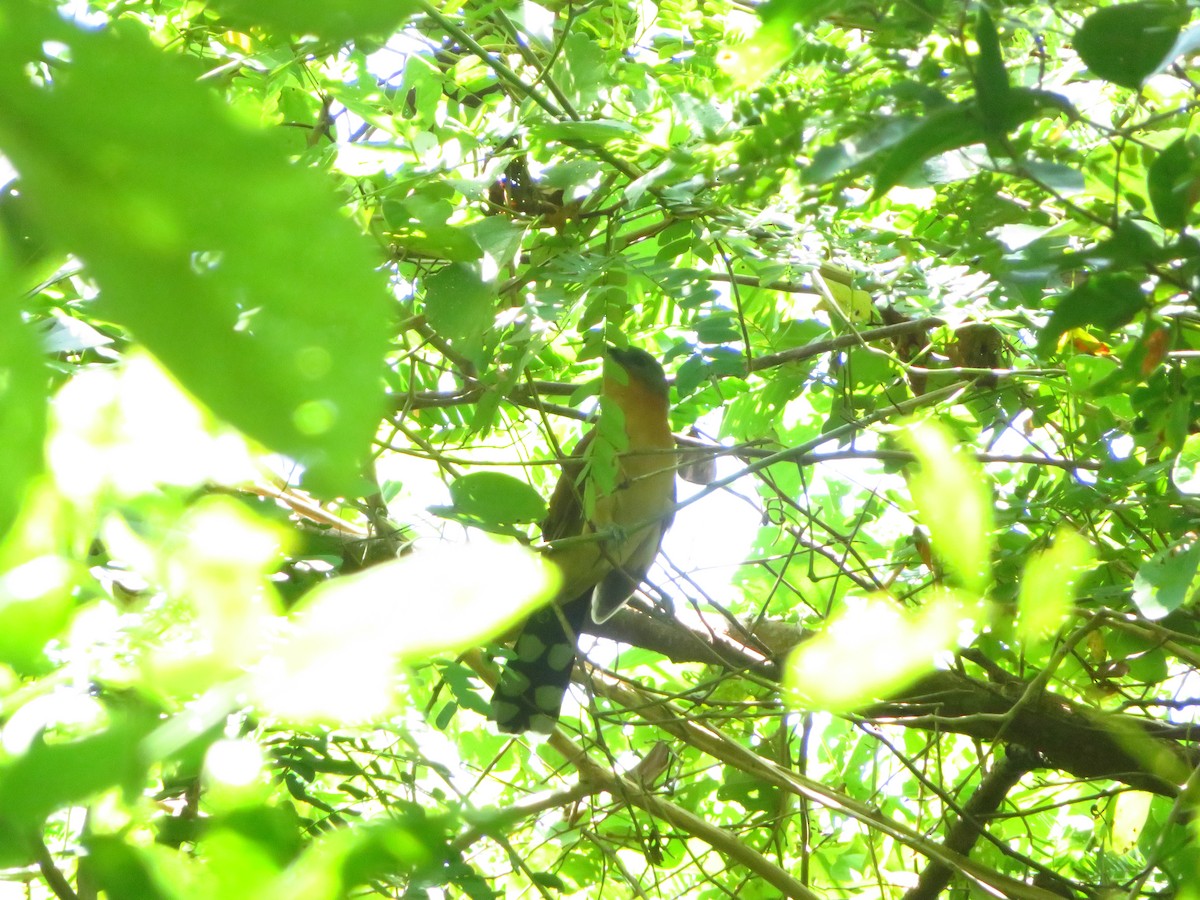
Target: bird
pixel 627 519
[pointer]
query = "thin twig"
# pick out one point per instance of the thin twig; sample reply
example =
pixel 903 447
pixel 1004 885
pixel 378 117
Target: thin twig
pixel 714 743
pixel 53 876
pixel 594 778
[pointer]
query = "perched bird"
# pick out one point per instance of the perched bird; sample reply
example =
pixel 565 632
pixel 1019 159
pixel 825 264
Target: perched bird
pixel 627 515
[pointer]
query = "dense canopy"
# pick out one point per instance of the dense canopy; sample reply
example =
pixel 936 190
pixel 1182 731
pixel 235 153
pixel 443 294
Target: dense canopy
pixel 305 304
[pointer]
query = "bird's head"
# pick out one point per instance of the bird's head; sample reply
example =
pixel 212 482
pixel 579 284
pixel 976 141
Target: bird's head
pixel 639 369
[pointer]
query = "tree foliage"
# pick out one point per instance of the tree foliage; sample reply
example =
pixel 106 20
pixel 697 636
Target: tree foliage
pixel 303 305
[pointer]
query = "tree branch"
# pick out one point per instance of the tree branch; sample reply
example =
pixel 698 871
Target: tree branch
pixel 716 744
pixel 53 876
pixel 1085 743
pixel 964 834
pixel 841 342
pixel 595 778
pixel 717 838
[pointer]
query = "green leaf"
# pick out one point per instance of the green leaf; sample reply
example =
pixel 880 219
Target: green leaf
pixel 498 237
pixel 35 606
pixel 1125 44
pixel 549 881
pixel 1130 246
pixel 339 22
pixel 953 499
pixel 436 241
pixel 122 871
pixel 1064 179
pixel 719 328
pixel 458 306
pixel 1048 584
pixel 1084 372
pixel 423 82
pixel 581 68
pixel 960 125
pixel 1028 103
pixel 418 224
pixel 831 160
pixel 691 374
pixel 992 89
pixel 234 268
pixel 941 131
pixel 804 12
pixel 1187 43
pixel 594 133
pixel 496 499
pixel 1173 182
pixel 346 636
pixel 21 239
pixel 1130 810
pixel 870 651
pixel 752 793
pixel 602 463
pixel 464 685
pixel 1167 580
pixel 1104 301
pixel 409 838
pixel 1185 472
pixel 749 62
pixel 23 383
pixel 1150 666
pixel 49 776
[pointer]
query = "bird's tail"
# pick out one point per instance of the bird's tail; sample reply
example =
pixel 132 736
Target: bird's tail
pixel 530 692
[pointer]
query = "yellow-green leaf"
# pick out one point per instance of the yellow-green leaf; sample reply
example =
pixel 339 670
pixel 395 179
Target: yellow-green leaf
pixel 954 501
pixel 1048 585
pixel 1186 470
pixel 1129 818
pixel 495 498
pixel 869 651
pixel 337 660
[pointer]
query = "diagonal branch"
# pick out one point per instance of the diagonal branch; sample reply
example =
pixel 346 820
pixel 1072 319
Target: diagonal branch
pixel 716 744
pixel 1085 743
pixel 595 778
pixel 965 832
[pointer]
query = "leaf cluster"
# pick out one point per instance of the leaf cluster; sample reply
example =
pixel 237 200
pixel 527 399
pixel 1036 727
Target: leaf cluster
pixel 303 310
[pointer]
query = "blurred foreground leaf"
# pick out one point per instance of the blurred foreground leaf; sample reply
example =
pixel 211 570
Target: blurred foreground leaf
pixel 954 502
pixel 869 651
pixel 337 660
pixel 177 209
